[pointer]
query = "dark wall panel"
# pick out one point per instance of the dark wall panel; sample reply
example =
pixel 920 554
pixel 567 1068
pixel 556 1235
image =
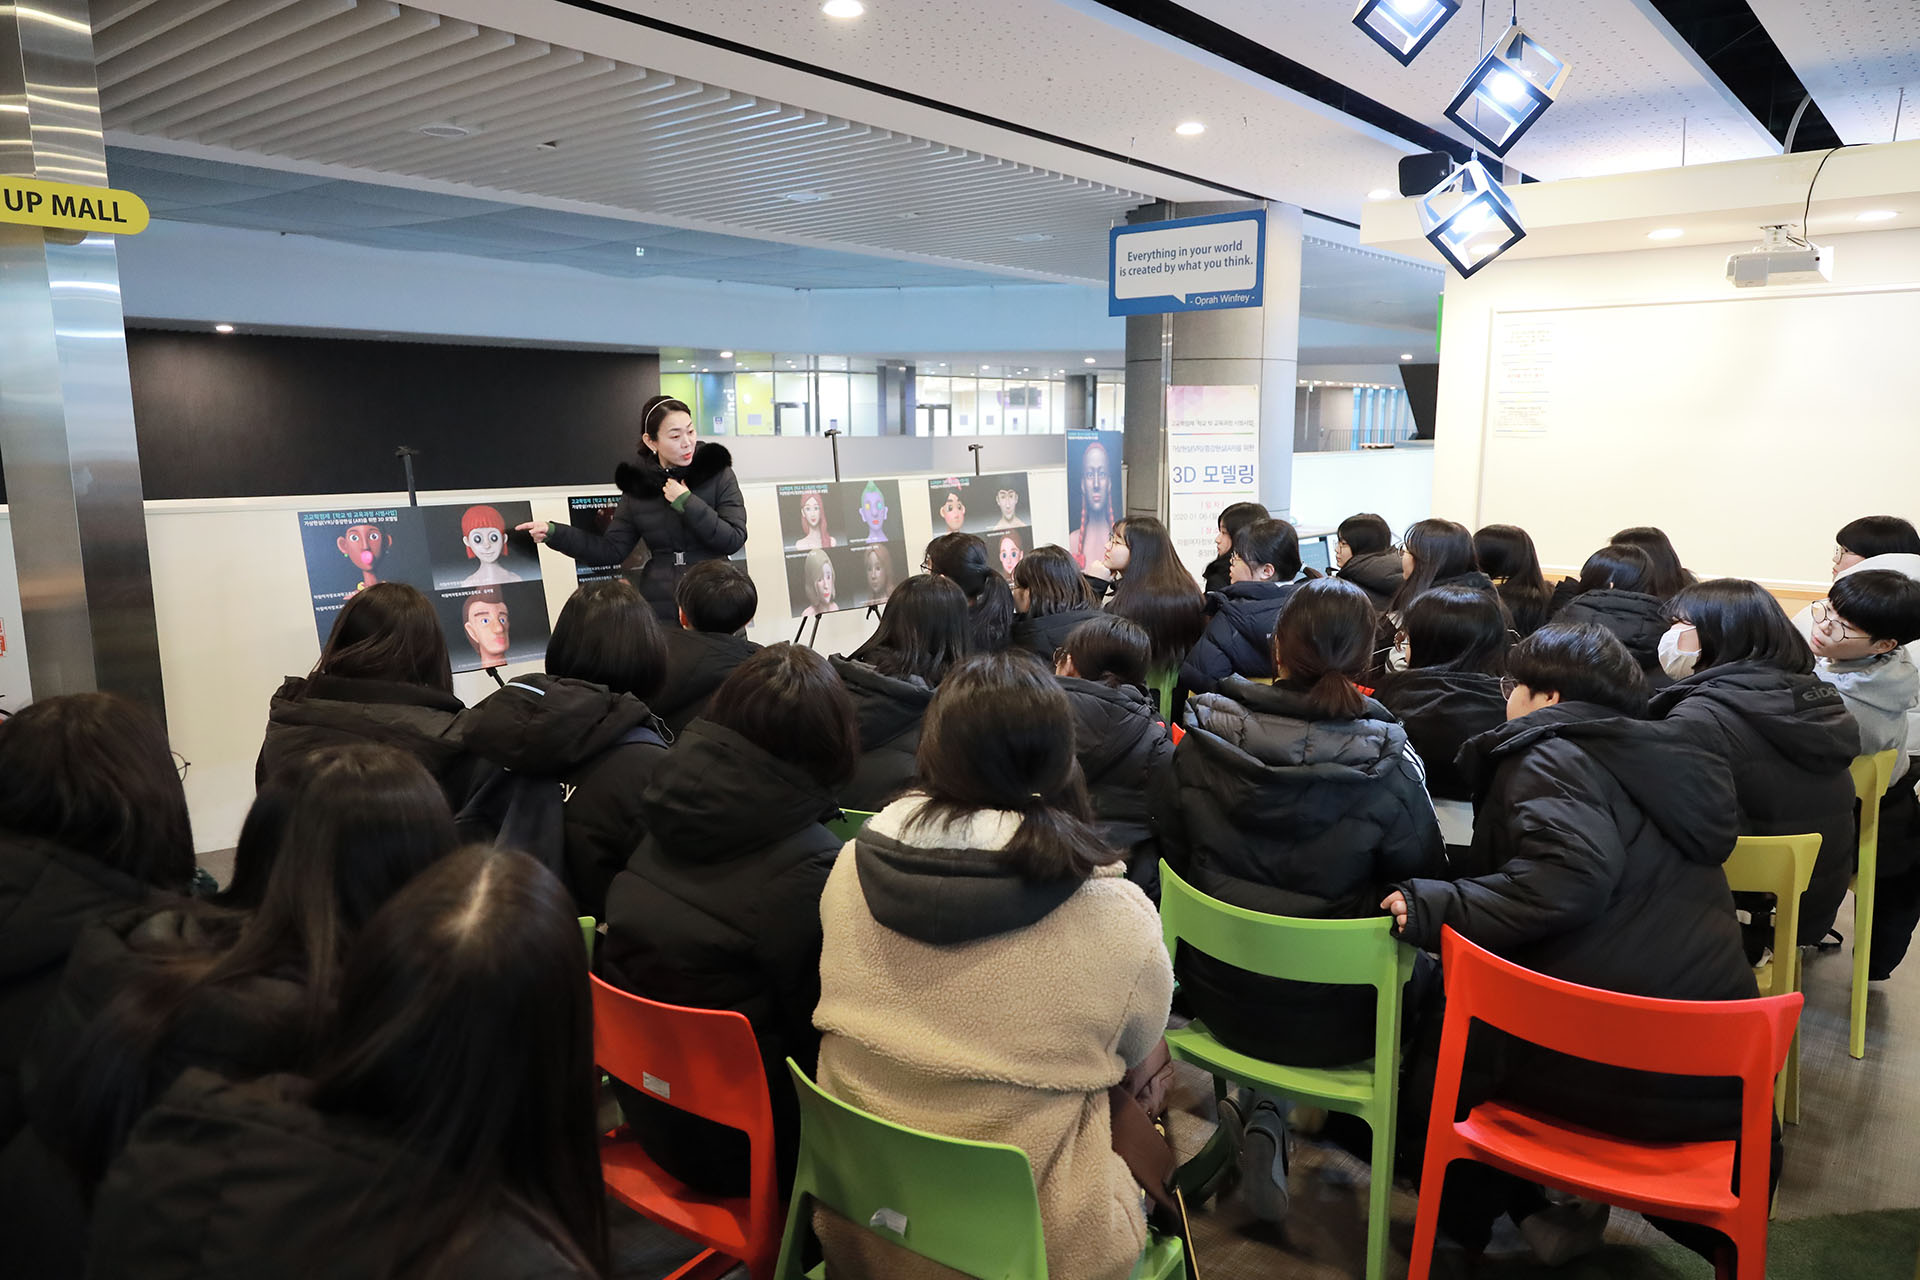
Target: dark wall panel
pixel 1422 382
pixel 241 417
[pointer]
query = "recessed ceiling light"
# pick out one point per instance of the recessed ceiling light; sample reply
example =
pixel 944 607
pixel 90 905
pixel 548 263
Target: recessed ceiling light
pixel 1406 355
pixel 1033 237
pixel 1879 215
pixel 447 129
pixel 1089 360
pixel 985 367
pixel 843 8
pixel 639 251
pixel 223 328
pixel 804 197
pixel 549 145
pixel 1666 233
pixel 1190 129
pixel 1380 193
pixel 726 355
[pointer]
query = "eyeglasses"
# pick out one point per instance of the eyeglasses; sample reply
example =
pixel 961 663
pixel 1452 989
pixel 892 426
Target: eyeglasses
pixel 1840 553
pixel 1825 616
pixel 181 764
pixel 926 566
pixel 1507 685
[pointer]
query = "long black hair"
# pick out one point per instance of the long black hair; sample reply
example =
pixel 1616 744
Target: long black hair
pixel 1052 581
pixel 388 631
pixel 923 631
pixel 1323 642
pixel 1441 549
pixel 607 635
pixel 964 559
pixel 999 735
pixel 465 1034
pixel 1740 621
pixel 1505 553
pixel 1619 566
pixel 1156 591
pixel 92 772
pixel 1455 629
pixel 1668 574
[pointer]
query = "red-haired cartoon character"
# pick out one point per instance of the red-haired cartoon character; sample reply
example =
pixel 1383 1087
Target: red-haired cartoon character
pixel 363 545
pixel 485 616
pixel 484 530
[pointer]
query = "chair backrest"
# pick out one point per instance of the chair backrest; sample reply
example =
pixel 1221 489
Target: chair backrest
pixel 588 927
pixel 849 823
pixel 705 1061
pixel 966 1205
pixel 1745 1038
pixel 1872 775
pixel 1779 865
pixel 1361 953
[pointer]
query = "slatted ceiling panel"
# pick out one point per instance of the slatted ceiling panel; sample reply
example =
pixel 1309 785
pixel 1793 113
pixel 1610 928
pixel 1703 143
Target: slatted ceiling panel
pixel 1853 57
pixel 350 83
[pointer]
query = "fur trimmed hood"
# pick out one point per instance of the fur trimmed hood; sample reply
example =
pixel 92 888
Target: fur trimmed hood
pixel 645 477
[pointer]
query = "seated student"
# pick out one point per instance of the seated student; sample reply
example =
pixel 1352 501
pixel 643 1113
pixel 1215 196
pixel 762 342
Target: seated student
pixel 1456 644
pixel 923 631
pixel 1434 553
pixel 1614 594
pixel 1052 597
pixel 585 725
pixel 154 990
pixel 719 907
pixel 964 560
pixel 1364 555
pixel 1862 546
pixel 448 1128
pixel 1505 553
pixel 1669 576
pixel 383 676
pixel 1239 636
pixel 1123 746
pixel 1155 590
pixel 717 600
pixel 92 818
pixel 1233 518
pixel 987 970
pixel 1597 851
pixel 1744 673
pixel 1299 799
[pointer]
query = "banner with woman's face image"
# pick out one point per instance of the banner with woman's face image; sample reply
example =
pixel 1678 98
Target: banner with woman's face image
pixel 844 543
pixel 980 504
pixel 1094 498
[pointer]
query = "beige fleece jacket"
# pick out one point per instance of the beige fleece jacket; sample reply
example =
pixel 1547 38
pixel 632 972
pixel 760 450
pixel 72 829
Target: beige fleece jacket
pixel 1013 1038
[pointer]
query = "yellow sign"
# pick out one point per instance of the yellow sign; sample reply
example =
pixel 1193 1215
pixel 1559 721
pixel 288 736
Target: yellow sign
pixel 31 202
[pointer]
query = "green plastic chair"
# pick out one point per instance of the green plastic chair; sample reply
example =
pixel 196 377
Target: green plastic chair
pixel 1872 775
pixel 848 824
pixel 1359 953
pixel 1783 867
pixel 966 1205
pixel 588 927
pixel 1162 684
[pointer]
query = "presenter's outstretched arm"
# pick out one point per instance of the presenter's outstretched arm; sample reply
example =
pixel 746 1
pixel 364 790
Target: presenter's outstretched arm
pixel 612 547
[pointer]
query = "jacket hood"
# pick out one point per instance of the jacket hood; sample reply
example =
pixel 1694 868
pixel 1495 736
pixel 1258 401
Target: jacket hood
pixel 544 726
pixel 412 717
pixel 945 883
pixel 47 892
pixel 1887 682
pixel 1108 722
pixel 644 477
pixel 1683 786
pixel 717 796
pixel 1375 570
pixel 1426 691
pixel 1638 619
pixel 1256 729
pixel 886 707
pixel 697 663
pixel 1898 561
pixel 1801 716
pixel 1471 578
pixel 1252 609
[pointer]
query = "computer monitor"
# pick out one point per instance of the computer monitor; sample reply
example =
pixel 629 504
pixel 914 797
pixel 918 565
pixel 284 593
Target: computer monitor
pixel 1315 554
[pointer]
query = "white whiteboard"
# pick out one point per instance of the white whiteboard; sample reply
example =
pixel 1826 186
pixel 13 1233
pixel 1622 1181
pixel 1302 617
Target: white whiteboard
pixel 1750 428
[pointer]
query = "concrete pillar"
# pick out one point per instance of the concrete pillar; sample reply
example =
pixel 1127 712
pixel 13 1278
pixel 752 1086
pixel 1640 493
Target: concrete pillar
pixel 66 410
pixel 1247 346
pixel 1080 402
pixel 899 398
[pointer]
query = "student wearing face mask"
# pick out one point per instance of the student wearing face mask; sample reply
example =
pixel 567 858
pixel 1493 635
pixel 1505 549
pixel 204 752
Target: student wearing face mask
pixel 1742 671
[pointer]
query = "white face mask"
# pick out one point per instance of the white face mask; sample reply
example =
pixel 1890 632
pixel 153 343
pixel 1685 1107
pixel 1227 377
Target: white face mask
pixel 1399 656
pixel 1674 660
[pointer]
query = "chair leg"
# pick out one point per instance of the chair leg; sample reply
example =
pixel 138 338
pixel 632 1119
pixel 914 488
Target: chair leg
pixel 1426 1215
pixel 1788 1092
pixel 1863 895
pixel 708 1265
pixel 1380 1193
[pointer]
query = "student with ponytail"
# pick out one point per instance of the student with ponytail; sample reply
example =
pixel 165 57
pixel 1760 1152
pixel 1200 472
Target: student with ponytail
pixel 963 559
pixel 1299 799
pixel 987 971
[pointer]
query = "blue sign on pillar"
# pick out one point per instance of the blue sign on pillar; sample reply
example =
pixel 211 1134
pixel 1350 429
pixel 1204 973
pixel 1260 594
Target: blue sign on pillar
pixel 1212 263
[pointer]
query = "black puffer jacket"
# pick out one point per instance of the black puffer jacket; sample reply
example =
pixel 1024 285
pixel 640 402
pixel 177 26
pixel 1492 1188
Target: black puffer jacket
pixel 1597 858
pixel 719 908
pixel 1638 619
pixel 890 712
pixel 47 894
pixel 1441 710
pixel 577 734
pixel 1276 810
pixel 1378 573
pixel 311 713
pixel 1239 635
pixel 698 662
pixel 1049 631
pixel 1789 739
pixel 1124 753
pixel 710 525
pixel 297 1193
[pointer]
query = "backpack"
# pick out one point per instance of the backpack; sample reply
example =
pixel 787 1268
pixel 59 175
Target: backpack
pixel 527 812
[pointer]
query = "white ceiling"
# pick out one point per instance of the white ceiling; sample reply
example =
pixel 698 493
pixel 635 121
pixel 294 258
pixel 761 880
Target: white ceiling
pixel 1854 57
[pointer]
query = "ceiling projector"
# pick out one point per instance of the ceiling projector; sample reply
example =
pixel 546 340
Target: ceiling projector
pixel 1780 259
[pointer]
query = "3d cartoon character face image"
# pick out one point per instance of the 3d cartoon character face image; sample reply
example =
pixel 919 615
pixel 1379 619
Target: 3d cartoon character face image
pixel 484 531
pixel 485 615
pixel 818 576
pixel 1009 501
pixel 1010 554
pixel 953 511
pixel 879 575
pixel 813 524
pixel 873 510
pixel 363 545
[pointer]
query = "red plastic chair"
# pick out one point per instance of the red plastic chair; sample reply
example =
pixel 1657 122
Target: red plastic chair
pixel 704 1061
pixel 1689 1181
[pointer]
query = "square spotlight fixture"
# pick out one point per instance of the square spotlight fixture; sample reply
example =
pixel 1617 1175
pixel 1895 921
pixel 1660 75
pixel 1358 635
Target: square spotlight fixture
pixel 1403 27
pixel 1469 219
pixel 1511 88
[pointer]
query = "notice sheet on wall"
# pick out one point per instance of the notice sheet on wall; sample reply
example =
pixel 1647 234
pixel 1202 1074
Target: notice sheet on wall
pixel 1213 461
pixel 1520 395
